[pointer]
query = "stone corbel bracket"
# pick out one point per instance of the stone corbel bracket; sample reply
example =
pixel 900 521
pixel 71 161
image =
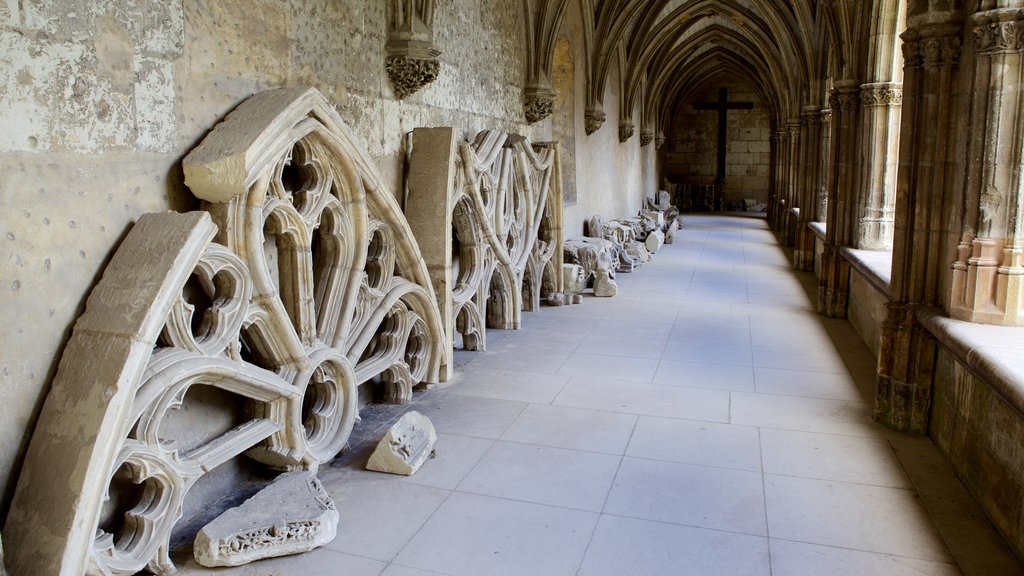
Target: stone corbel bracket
pixel 538 103
pixel 593 119
pixel 410 54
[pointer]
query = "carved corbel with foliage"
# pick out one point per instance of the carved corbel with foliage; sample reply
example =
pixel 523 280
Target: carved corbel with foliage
pixel 411 57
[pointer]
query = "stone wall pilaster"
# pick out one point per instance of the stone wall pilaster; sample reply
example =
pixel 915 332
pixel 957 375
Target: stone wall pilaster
pixel 792 178
pixel 881 104
pixel 833 286
pixel 810 152
pixel 926 194
pixel 988 275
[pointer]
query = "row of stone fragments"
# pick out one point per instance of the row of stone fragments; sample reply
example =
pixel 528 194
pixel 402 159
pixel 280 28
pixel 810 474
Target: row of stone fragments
pixel 618 245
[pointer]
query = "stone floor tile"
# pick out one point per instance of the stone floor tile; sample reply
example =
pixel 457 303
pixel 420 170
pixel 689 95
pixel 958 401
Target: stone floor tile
pixel 573 428
pixel 702 375
pixel 470 416
pixel 709 353
pixel 800 559
pixel 616 346
pixel 718 333
pixel 808 384
pixel 455 457
pixel 473 535
pixel 693 442
pixel 820 360
pixel 379 514
pixel 870 518
pixel 520 356
pixel 718 498
pixel 804 414
pixel 645 399
pixel 627 329
pixel 399 570
pixel 543 475
pixel 629 546
pixel 832 457
pixel 507 385
pixel 607 366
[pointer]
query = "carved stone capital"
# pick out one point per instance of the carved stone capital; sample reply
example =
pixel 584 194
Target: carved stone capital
pixel 826 116
pixel 408 74
pixel 811 116
pixel 659 140
pixel 593 120
pixel 626 130
pixel 843 100
pixel 881 94
pixel 999 30
pixel 933 45
pixel 646 137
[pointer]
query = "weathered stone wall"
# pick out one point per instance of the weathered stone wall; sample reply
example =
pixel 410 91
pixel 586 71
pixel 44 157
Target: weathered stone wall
pixel 609 176
pixel 982 435
pixel 693 153
pixel 866 311
pixel 103 99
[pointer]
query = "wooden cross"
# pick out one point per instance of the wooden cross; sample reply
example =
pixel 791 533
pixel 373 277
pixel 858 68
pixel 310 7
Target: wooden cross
pixel 723 106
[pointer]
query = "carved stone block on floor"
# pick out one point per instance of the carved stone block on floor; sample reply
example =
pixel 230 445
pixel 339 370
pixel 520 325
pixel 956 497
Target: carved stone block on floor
pixel 406 446
pixel 291 515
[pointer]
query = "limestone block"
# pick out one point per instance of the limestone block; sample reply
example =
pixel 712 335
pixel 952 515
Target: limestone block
pixel 597 257
pixel 573 279
pixel 293 514
pixel 639 252
pixel 405 447
pixel 604 286
pixel 654 241
pixel 670 231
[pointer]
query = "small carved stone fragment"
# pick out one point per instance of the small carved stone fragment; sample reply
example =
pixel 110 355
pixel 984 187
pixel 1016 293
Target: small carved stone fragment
pixel 405 447
pixel 293 514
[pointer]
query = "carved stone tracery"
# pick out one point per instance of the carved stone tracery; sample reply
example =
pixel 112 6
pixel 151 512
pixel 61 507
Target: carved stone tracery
pixel 298 283
pixel 506 243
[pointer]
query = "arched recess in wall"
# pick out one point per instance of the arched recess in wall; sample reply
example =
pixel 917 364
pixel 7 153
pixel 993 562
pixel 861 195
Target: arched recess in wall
pixel 563 121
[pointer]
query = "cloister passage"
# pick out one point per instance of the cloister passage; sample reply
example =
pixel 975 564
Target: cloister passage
pixel 704 421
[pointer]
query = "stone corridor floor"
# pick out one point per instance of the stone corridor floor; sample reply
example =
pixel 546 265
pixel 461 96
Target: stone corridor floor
pixel 702 422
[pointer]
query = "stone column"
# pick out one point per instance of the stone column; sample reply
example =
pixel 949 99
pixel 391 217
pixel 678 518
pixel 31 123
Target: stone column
pixel 792 177
pixel 778 178
pixel 987 275
pixel 810 145
pixel 880 144
pixel 824 167
pixel 833 286
pixel 925 198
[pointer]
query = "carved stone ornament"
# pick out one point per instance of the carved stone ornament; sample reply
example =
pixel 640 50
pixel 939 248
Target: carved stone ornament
pixel 538 106
pixel 408 74
pixel 626 130
pixel 597 258
pixel 998 31
pixel 873 95
pixel 659 140
pixel 646 137
pixel 298 283
pixel 293 514
pixel 593 120
pixel 505 238
pixel 932 45
pixel 844 100
pixel 405 446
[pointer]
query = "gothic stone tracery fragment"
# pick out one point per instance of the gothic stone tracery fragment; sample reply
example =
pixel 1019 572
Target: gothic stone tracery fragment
pixel 500 251
pixel 299 283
